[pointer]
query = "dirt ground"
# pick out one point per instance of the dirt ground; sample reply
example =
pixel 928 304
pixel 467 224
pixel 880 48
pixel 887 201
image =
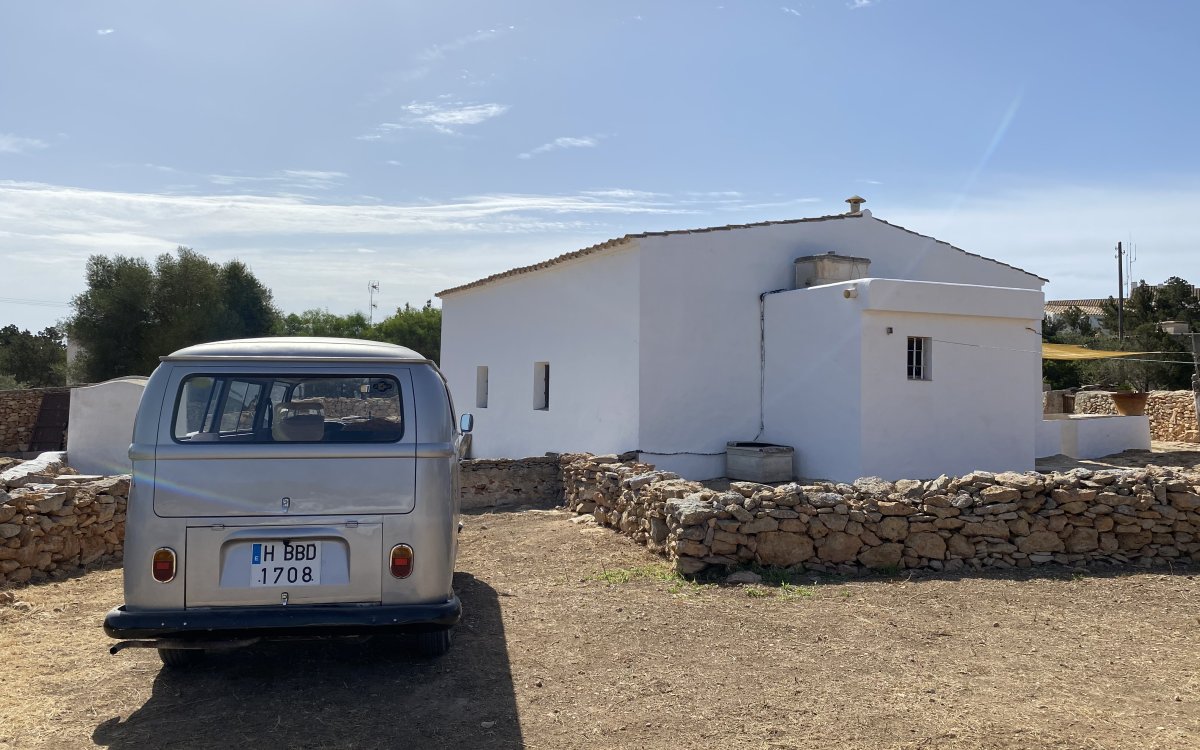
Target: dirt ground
pixel 575 637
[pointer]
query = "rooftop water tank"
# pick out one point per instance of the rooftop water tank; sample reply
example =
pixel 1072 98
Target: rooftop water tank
pixel 831 268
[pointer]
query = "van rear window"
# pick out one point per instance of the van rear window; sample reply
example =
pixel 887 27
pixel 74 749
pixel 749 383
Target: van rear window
pixel 288 409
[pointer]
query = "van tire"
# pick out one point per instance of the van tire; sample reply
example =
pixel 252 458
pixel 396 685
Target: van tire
pixel 431 644
pixel 180 658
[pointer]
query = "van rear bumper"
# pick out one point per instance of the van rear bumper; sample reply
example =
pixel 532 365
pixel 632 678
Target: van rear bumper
pixel 226 623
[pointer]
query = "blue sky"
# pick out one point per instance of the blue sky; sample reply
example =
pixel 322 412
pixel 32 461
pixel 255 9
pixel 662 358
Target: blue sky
pixel 428 144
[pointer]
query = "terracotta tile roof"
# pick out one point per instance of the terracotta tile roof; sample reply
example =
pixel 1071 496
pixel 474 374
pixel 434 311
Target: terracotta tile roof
pixel 1087 306
pixel 619 241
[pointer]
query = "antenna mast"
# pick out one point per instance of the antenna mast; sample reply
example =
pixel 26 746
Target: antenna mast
pixel 1120 293
pixel 372 290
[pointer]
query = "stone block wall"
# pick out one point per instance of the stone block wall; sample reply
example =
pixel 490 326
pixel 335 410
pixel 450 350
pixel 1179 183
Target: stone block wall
pixel 54 520
pixel 981 520
pixel 488 483
pixel 1172 413
pixel 18 415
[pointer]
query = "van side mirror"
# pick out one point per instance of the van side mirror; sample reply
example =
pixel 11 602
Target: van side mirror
pixel 466 423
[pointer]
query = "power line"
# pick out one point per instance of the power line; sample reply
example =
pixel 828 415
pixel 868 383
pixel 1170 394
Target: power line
pixel 33 302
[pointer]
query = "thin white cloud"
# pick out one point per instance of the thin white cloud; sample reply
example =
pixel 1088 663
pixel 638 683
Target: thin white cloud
pixel 1063 232
pixel 15 144
pixel 295 179
pixel 715 194
pixel 428 58
pixel 561 143
pixel 856 4
pixel 791 11
pixel 445 116
pixel 420 247
pixel 50 210
pixel 104 32
pixel 625 194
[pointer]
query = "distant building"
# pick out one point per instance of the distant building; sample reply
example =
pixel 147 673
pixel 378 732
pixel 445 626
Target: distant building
pixel 1092 308
pixel 1155 288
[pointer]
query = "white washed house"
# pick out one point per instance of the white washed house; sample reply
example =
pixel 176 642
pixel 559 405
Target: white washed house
pixel 924 361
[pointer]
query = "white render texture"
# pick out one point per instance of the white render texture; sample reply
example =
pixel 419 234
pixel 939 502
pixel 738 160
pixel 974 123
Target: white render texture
pixel 100 426
pixel 580 317
pixel 654 346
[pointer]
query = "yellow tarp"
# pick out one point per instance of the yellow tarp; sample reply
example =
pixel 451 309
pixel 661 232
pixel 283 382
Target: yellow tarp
pixel 1073 352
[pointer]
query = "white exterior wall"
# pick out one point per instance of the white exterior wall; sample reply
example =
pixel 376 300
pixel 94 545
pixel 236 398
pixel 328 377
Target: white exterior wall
pixel 580 316
pixel 654 346
pixel 982 405
pixel 1049 440
pixel 100 426
pixel 813 380
pixel 700 320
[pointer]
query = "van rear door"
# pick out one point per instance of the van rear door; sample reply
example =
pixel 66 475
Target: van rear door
pixel 292 443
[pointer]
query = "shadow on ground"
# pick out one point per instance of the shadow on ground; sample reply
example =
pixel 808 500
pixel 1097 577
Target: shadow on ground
pixel 338 694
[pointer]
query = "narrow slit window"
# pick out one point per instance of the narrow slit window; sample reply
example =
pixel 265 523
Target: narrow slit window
pixel 919 358
pixel 541 386
pixel 481 387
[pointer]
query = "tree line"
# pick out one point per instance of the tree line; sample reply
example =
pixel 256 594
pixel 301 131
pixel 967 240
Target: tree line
pixel 1167 368
pixel 132 313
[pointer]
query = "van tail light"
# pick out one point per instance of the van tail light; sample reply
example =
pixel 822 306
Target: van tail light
pixel 163 566
pixel 402 561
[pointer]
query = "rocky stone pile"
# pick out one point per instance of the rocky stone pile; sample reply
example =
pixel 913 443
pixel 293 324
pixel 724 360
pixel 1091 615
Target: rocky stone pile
pixel 18 415
pixel 981 520
pixel 1172 413
pixel 54 519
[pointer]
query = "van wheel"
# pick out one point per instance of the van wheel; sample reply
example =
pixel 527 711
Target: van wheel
pixel 180 658
pixel 431 644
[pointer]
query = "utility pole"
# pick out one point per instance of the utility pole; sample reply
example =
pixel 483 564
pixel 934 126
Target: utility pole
pixel 1196 378
pixel 1120 293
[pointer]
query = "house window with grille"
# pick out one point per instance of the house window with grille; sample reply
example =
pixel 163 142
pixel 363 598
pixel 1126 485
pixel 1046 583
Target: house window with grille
pixel 918 358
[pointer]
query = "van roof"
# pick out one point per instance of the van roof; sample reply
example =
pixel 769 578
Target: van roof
pixel 297 347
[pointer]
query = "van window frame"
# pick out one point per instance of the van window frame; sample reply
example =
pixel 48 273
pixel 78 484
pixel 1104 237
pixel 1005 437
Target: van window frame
pixel 269 379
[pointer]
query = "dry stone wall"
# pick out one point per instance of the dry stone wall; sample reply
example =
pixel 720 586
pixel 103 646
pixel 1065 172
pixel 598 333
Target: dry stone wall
pixel 52 519
pixel 1172 413
pixel 488 483
pixel 18 415
pixel 981 520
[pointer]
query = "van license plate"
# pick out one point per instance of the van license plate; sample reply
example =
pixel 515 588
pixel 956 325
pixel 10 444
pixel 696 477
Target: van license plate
pixel 285 564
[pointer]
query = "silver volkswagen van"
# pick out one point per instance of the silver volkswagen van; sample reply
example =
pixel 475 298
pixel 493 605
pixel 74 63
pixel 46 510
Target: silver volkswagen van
pixel 290 487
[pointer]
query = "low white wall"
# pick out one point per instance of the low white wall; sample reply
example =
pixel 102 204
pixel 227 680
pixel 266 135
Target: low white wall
pixel 101 426
pixel 1091 436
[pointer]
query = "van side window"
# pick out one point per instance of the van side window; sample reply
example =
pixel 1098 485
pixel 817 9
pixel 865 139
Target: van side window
pixel 289 409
